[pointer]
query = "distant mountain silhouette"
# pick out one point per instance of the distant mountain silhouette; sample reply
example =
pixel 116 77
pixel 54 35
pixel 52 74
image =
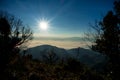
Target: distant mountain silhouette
pixel 38 51
pixel 85 56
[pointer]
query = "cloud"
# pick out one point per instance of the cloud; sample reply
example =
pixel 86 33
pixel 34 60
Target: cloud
pixel 66 43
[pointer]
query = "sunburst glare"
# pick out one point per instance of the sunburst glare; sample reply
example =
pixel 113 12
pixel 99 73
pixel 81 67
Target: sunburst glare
pixel 43 24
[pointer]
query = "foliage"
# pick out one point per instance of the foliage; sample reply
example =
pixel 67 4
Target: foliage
pixel 50 57
pixel 12 34
pixel 107 40
pixel 36 70
pixel 22 67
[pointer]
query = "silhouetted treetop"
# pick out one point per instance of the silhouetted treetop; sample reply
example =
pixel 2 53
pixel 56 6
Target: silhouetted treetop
pixel 117 8
pixel 13 33
pixel 108 41
pixel 4 27
pixel 14 29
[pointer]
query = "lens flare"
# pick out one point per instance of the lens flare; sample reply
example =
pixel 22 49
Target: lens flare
pixel 43 25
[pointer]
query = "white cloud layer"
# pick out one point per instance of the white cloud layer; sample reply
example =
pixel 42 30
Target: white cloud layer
pixel 67 44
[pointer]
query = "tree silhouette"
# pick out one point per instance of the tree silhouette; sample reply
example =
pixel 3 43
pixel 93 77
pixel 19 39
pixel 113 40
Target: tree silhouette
pixel 12 34
pixel 108 40
pixel 50 57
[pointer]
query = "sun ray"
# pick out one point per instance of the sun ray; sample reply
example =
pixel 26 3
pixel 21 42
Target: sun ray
pixel 43 24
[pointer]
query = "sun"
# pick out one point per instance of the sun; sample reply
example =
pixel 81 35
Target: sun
pixel 43 25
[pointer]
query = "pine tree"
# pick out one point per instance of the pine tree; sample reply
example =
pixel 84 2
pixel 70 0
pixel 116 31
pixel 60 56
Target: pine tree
pixel 109 41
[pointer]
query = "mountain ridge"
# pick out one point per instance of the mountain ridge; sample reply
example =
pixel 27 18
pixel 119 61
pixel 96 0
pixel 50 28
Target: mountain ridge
pixel 85 56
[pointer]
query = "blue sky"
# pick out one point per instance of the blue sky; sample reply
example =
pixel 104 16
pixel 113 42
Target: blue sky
pixel 67 18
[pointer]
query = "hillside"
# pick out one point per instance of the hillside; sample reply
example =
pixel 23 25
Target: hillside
pixel 85 56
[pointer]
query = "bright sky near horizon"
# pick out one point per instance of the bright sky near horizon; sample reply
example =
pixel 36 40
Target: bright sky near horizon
pixel 58 18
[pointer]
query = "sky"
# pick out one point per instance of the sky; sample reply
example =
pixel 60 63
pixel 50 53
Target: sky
pixel 68 19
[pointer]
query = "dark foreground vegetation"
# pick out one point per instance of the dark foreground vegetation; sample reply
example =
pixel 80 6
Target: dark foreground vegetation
pixel 16 66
